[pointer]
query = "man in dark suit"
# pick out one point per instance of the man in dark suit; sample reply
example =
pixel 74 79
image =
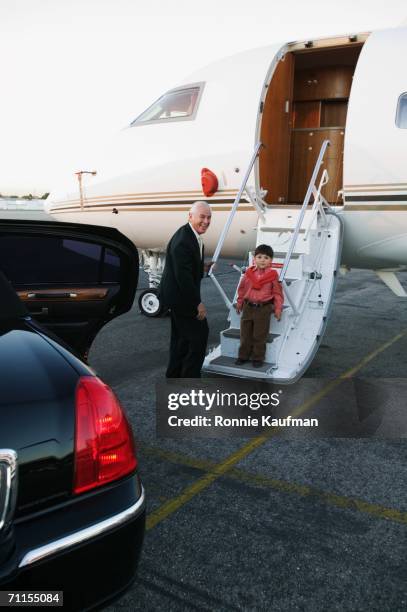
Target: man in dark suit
pixel 180 291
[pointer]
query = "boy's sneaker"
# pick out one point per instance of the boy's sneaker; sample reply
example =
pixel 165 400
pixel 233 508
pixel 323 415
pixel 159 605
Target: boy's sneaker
pixel 257 363
pixel 240 361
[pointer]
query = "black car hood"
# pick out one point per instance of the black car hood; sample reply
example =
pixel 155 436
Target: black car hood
pixel 37 414
pixel 30 370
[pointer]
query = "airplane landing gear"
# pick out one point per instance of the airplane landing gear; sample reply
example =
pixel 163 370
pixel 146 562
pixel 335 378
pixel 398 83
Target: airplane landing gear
pixel 153 264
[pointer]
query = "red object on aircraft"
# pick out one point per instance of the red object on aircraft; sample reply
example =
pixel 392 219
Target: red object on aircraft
pixel 209 182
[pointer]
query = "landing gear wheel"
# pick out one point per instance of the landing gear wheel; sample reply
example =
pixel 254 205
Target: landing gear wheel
pixel 149 303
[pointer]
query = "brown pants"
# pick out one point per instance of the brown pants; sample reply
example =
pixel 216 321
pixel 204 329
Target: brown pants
pixel 254 328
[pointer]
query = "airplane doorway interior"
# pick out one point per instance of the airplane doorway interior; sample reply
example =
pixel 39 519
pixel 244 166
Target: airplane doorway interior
pixel 306 103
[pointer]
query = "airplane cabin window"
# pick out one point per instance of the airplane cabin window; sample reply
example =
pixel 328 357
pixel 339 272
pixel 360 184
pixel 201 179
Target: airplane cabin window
pixel 401 115
pixel 175 105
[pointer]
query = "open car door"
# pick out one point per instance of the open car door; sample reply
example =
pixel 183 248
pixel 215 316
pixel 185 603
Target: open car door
pixel 72 278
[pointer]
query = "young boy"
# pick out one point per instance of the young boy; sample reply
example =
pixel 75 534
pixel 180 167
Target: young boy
pixel 258 290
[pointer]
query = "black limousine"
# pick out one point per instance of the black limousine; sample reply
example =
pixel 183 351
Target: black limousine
pixel 72 507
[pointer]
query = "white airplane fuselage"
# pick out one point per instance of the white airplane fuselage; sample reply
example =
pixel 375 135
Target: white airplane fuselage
pixel 290 96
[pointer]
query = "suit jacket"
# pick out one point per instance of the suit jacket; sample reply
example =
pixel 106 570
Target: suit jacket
pixel 180 287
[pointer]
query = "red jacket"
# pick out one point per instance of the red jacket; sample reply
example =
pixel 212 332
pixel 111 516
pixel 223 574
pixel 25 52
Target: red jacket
pixel 261 286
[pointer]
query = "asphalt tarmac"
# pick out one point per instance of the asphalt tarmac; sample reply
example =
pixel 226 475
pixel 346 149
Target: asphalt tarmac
pixel 274 524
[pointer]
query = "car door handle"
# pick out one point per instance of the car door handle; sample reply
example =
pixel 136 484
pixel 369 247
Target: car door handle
pixel 53 295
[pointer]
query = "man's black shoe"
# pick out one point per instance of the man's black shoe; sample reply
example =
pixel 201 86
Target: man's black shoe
pixel 257 363
pixel 241 361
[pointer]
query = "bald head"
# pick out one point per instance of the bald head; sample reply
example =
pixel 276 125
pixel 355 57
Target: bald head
pixel 200 216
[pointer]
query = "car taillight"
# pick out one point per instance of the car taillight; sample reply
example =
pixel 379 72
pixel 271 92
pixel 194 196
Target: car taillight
pixel 104 447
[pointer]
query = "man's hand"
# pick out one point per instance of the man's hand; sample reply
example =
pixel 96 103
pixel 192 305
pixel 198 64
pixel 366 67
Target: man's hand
pixel 238 308
pixel 201 312
pixel 207 266
pixel 277 315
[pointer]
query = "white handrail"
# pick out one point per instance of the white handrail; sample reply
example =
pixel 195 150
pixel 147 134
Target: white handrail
pixel 228 223
pixel 289 299
pixel 307 198
pixel 318 207
pixel 234 208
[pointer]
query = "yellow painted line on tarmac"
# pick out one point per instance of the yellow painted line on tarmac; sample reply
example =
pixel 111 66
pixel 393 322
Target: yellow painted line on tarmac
pixel 332 499
pixel 219 469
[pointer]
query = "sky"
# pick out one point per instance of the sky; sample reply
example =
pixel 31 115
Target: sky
pixel 75 72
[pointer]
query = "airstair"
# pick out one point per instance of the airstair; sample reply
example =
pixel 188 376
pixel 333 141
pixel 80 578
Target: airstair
pixel 307 244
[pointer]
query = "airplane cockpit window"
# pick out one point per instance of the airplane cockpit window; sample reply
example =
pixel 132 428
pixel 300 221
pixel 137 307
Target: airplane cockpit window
pixel 401 115
pixel 179 104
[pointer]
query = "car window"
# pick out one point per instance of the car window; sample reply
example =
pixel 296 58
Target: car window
pixel 111 268
pixel 27 260
pixel 10 304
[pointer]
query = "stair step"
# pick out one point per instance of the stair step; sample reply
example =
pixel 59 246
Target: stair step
pixel 271 228
pixel 229 362
pixel 232 332
pixel 282 254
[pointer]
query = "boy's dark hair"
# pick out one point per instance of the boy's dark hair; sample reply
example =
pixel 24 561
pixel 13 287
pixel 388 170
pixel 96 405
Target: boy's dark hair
pixel 264 249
